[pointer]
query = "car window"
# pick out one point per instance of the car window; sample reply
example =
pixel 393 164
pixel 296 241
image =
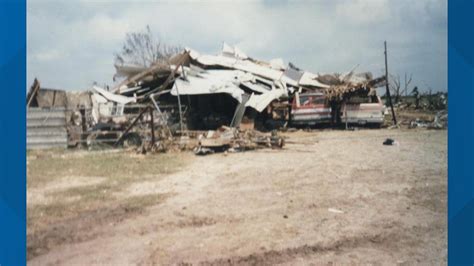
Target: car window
pixel 359 99
pixel 304 100
pixel 311 100
pixel 318 100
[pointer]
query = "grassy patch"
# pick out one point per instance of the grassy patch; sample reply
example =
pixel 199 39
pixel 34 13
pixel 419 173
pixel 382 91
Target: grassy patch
pixel 118 170
pixel 118 166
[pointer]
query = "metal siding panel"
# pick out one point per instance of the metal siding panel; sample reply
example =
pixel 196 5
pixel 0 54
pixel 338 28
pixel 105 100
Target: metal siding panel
pixel 46 128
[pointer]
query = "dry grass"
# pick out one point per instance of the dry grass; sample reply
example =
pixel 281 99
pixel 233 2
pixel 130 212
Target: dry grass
pixel 53 174
pixel 119 166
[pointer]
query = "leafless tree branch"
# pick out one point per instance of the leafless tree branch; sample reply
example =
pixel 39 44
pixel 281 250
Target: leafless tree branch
pixel 143 49
pixel 394 86
pixel 407 83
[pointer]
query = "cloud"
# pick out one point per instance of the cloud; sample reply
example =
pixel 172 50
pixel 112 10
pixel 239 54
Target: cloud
pixel 103 29
pixel 321 36
pixel 364 11
pixel 49 55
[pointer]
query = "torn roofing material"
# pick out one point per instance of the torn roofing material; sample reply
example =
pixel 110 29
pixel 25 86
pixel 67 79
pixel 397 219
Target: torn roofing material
pixel 209 82
pixel 210 61
pixel 274 70
pixel 235 52
pixel 260 102
pixel 113 97
pixel 230 82
pixel 134 79
pixel 233 72
pixel 311 80
pixel 127 70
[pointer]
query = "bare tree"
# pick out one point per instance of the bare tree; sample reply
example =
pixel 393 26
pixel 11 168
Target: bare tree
pixel 407 83
pixel 143 49
pixel 395 86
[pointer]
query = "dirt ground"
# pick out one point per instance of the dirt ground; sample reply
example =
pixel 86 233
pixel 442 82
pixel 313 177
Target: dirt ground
pixel 329 197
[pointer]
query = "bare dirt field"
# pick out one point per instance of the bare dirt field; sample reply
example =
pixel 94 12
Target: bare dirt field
pixel 329 197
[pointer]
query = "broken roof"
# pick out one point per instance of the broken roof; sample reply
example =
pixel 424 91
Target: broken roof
pixel 233 72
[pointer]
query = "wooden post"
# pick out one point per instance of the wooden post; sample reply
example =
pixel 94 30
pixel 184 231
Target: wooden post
pixel 83 137
pixel 152 97
pixel 179 107
pixel 131 125
pixel 34 89
pixel 386 85
pixel 345 113
pixel 152 125
pixel 168 80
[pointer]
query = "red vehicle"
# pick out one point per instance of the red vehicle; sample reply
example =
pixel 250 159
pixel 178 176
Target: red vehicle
pixel 310 109
pixel 314 108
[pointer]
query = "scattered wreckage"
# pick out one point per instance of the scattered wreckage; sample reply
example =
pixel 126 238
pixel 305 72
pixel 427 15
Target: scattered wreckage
pixel 428 111
pixel 228 96
pixel 231 139
pixel 440 121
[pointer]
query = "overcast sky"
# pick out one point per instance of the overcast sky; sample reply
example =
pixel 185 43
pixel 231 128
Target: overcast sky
pixel 71 43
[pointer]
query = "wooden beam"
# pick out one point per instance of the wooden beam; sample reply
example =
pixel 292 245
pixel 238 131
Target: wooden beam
pixel 132 125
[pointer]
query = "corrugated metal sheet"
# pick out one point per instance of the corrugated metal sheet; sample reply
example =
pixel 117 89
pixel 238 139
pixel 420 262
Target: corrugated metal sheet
pixel 46 128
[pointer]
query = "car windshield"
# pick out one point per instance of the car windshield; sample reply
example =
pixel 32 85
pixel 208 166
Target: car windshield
pixel 363 99
pixel 309 100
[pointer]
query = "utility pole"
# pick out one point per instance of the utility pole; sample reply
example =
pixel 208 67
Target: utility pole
pixel 386 86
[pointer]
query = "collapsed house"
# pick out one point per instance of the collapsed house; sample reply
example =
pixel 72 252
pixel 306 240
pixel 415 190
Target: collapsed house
pixel 231 87
pixel 200 92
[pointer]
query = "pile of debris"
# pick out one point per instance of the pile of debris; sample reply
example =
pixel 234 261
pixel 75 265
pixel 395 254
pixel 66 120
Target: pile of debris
pixel 193 92
pixel 424 111
pixel 234 73
pixel 440 121
pixel 209 91
pixel 233 140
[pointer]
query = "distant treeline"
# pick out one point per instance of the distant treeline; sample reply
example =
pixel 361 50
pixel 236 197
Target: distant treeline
pixel 437 100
